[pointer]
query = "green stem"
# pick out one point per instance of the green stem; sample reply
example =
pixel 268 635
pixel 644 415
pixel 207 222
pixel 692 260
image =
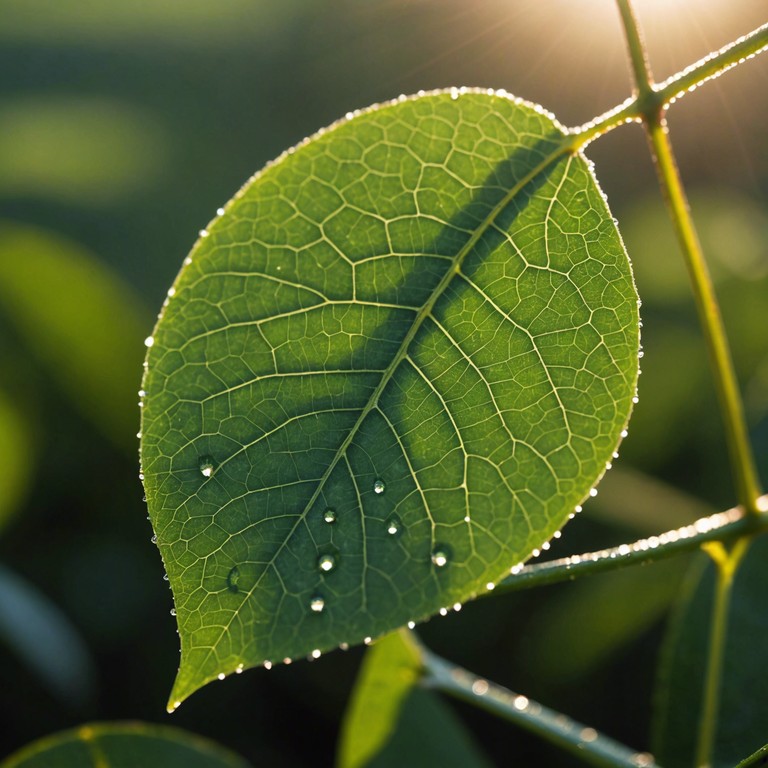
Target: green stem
pixel 673 88
pixel 714 65
pixel 638 57
pixel 724 526
pixel 558 729
pixel 726 563
pixel 740 451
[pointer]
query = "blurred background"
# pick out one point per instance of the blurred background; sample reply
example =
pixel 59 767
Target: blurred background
pixel 123 126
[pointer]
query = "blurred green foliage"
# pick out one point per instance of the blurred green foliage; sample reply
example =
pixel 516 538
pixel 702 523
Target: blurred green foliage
pixel 123 126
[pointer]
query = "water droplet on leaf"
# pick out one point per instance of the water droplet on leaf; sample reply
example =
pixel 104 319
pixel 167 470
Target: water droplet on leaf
pixel 378 486
pixel 329 516
pixel 326 563
pixel 394 526
pixel 207 466
pixel 440 557
pixel 317 604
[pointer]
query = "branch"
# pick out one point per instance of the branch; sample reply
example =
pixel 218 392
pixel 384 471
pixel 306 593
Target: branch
pixel 558 729
pixel 723 526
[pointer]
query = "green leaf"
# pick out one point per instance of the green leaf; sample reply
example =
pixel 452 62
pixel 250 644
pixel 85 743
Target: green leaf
pixel 422 325
pixel 743 707
pixel 388 674
pixel 392 722
pixel 79 319
pixel 124 745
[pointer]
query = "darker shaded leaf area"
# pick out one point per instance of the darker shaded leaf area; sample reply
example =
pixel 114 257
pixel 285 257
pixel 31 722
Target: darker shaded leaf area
pixel 743 719
pixel 124 745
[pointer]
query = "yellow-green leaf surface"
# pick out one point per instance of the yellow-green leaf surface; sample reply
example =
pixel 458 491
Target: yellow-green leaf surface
pixel 389 370
pixel 391 721
pixel 124 745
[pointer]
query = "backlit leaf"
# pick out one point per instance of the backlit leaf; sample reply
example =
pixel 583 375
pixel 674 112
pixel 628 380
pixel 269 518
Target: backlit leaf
pixel 387 373
pixel 391 721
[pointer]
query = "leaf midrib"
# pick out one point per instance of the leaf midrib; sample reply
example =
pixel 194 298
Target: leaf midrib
pixel 421 315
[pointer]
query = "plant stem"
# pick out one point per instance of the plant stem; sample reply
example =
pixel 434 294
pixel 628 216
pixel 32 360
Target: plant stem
pixel 732 411
pixel 742 460
pixel 724 526
pixel 678 85
pixel 714 64
pixel 558 729
pixel 726 564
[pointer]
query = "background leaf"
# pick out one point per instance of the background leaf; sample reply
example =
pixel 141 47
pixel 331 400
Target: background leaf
pixel 41 635
pixel 390 721
pixel 124 745
pixel 81 321
pixel 388 372
pixel 743 707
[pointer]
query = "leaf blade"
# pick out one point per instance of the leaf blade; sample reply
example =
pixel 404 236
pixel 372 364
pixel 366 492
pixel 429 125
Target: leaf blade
pixel 449 344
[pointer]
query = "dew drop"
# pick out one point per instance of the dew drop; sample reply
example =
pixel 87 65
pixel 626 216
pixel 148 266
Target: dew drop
pixel 316 653
pixel 411 625
pixel 439 558
pixel 239 669
pixel 203 233
pixel 207 466
pixel 154 538
pixel 232 578
pixel 367 640
pixel 173 611
pixel 219 211
pixel 317 604
pixel 149 341
pixel 329 515
pixel 394 526
pixel 267 665
pixel 443 611
pixel 480 687
pixel 165 577
pixel 520 703
pixel 378 486
pixel 326 563
pixel 588 734
pixel 221 675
